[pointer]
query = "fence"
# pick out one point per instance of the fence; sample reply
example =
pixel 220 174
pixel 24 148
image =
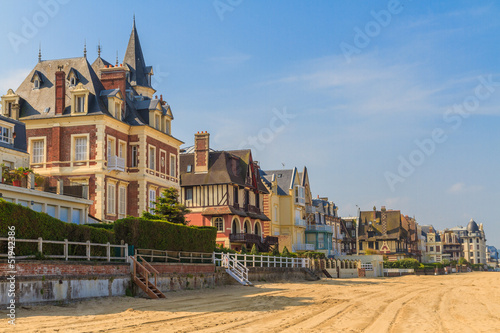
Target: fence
pixel 66 247
pixel 252 260
pixel 396 271
pixel 175 256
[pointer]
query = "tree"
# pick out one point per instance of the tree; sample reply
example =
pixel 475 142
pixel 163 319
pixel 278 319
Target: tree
pixel 445 262
pixel 462 261
pixel 243 249
pixel 254 250
pixel 168 208
pixel 276 251
pixel 285 252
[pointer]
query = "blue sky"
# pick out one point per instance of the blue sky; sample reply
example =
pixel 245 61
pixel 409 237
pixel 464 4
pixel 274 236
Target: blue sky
pixel 322 84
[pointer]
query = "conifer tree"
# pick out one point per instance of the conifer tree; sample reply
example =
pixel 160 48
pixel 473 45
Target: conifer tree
pixel 168 208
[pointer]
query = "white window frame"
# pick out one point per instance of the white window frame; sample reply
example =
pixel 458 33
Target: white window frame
pixel 173 171
pixel 110 148
pixel 122 200
pixel 80 104
pixel 31 142
pixel 152 199
pixel 6 130
pixel 152 148
pixel 74 150
pixel 122 149
pixel 111 198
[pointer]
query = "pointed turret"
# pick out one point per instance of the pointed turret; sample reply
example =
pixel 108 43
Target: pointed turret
pixel 140 74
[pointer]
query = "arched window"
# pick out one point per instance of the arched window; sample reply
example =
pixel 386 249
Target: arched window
pixel 235 226
pixel 258 229
pixel 218 222
pixel 248 228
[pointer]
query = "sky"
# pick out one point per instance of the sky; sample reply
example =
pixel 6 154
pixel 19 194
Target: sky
pixel 387 103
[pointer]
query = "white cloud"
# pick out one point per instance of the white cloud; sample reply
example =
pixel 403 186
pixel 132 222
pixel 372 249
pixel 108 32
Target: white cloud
pixel 460 188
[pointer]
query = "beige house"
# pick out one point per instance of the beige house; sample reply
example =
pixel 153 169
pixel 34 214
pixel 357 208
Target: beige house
pixel 434 246
pixel 285 205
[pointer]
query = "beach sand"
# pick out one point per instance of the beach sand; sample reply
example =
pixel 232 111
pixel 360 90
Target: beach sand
pixel 449 303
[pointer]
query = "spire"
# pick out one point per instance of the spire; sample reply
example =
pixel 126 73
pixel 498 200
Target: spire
pixel 135 60
pixel 99 49
pixel 40 52
pixel 116 58
pixel 85 48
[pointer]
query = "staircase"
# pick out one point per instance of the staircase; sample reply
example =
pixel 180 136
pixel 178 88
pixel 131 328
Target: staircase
pixel 140 276
pixel 310 273
pixel 327 274
pixel 235 269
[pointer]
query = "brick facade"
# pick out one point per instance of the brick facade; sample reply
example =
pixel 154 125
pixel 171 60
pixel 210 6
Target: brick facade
pixel 47 268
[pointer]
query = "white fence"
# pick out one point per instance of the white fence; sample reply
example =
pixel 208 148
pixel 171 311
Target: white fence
pixel 400 271
pixel 65 249
pixel 367 267
pixel 252 260
pixel 175 256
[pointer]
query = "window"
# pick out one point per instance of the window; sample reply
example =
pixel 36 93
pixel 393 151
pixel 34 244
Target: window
pixel 76 216
pixel 152 158
pixel 111 147
pixel 81 149
pixel 8 111
pixel 80 104
pixel 157 122
pixel 72 81
pixel 189 167
pixel 173 165
pixel 236 192
pixel 121 149
pixel 299 195
pixel 218 222
pixel 432 249
pixel 135 160
pixel 36 83
pixel 477 247
pixel 257 200
pixel 111 198
pixel 6 135
pixel 64 214
pixel 122 200
pixel 189 193
pixel 167 126
pixel 438 248
pixel 118 111
pixel 152 200
pixel 38 151
pixel 51 210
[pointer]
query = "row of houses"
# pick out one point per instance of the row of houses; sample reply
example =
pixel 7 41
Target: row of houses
pixel 101 128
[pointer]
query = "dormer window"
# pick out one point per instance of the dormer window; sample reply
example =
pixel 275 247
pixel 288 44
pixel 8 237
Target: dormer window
pixel 10 105
pixel 36 79
pixel 79 100
pixel 72 77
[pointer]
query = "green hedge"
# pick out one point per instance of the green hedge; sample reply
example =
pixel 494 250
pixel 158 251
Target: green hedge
pixel 31 225
pixel 161 235
pixel 403 263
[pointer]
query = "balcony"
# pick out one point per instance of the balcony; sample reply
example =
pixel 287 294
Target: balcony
pixel 116 163
pixel 300 223
pixel 303 247
pixel 244 238
pixel 320 228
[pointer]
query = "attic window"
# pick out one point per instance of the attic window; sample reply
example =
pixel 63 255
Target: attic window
pixel 72 81
pixel 280 175
pixel 189 168
pixel 36 83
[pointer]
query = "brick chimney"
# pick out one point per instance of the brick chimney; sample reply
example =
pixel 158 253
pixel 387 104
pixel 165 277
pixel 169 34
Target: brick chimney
pixel 201 152
pixel 60 92
pixel 114 78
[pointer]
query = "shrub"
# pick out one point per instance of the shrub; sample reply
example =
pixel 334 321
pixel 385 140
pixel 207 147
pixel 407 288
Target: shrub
pixel 161 235
pixel 285 252
pixel 244 249
pixel 276 251
pixel 31 225
pixel 254 250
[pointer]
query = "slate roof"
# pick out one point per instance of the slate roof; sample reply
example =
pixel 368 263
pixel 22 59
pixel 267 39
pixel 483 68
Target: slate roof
pixel 135 61
pixel 285 181
pixel 224 167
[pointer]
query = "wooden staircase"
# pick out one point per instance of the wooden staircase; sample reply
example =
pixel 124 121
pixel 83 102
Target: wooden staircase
pixel 141 274
pixel 327 274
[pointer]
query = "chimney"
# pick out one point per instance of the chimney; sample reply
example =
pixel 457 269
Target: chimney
pixel 60 91
pixel 114 78
pixel 201 152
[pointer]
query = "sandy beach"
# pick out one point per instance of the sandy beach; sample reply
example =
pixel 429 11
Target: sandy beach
pixel 456 303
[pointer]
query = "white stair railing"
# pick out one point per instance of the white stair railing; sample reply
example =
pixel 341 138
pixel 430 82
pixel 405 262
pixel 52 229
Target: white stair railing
pixel 235 269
